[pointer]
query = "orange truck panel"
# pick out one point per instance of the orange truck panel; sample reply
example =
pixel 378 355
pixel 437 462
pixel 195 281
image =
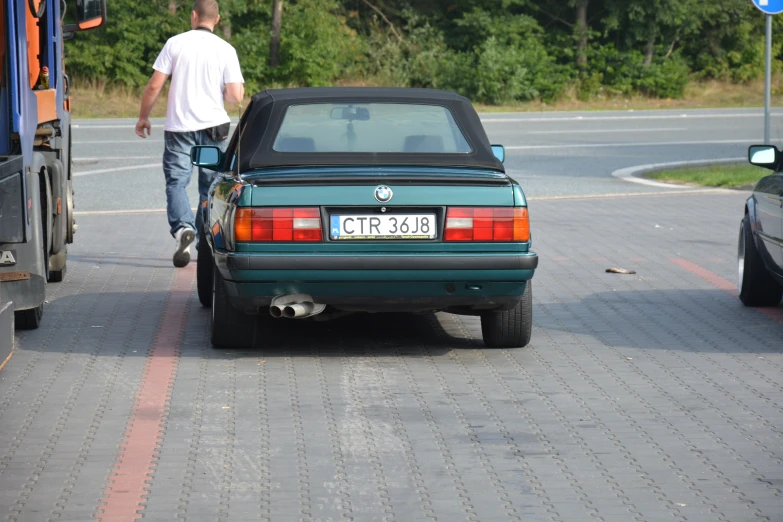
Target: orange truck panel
pixel 47 105
pixel 33 45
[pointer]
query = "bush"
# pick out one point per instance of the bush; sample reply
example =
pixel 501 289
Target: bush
pixel 494 61
pixel 626 74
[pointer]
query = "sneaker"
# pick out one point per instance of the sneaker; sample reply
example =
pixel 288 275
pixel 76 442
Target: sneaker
pixel 184 237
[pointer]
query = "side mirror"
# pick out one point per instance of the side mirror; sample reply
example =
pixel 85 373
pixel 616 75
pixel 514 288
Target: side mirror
pixel 767 156
pixel 500 152
pixel 90 14
pixel 206 157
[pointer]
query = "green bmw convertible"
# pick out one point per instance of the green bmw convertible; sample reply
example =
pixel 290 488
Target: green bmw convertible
pixel 338 201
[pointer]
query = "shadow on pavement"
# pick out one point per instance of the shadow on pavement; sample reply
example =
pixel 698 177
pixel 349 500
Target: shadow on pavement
pixel 358 335
pixel 105 322
pixel 668 319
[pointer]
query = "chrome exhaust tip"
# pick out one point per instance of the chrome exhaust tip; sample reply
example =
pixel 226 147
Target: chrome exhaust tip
pixel 297 310
pixel 275 312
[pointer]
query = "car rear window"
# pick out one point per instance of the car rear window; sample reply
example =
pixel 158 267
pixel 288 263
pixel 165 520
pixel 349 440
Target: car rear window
pixel 370 128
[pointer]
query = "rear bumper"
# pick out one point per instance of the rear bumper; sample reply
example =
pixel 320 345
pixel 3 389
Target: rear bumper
pixel 386 296
pixel 234 262
pixel 466 283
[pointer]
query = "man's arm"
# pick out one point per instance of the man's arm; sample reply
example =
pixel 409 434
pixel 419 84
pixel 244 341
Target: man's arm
pixel 234 92
pixel 151 93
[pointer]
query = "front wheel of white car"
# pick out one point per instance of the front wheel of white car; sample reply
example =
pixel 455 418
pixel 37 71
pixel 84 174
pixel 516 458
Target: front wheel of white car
pixel 754 284
pixel 510 328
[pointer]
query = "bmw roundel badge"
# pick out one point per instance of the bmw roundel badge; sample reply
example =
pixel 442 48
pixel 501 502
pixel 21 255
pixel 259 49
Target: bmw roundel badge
pixel 383 194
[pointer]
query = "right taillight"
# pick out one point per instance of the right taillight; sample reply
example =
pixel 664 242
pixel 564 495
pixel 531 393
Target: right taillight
pixel 262 225
pixel 487 224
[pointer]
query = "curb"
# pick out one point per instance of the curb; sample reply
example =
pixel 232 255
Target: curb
pixel 632 174
pixel 6 331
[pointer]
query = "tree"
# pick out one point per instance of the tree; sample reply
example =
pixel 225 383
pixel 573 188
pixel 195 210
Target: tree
pixel 581 33
pixel 277 24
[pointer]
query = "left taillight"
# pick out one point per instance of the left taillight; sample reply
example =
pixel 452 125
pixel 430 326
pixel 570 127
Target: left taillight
pixel 262 225
pixel 487 224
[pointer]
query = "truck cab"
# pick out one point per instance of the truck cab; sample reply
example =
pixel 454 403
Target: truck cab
pixel 36 194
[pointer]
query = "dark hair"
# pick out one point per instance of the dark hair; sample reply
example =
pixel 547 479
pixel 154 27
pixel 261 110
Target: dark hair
pixel 206 10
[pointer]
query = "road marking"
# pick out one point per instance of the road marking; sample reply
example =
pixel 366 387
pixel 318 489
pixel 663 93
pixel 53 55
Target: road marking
pixel 116 158
pixel 146 140
pixel 608 131
pixel 631 144
pixel 136 458
pixel 2 364
pixel 120 212
pixel 776 314
pixel 627 118
pixel 117 169
pixel 632 194
pixel 130 126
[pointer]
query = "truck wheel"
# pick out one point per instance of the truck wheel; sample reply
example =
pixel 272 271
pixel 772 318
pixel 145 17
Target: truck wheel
pixel 230 327
pixel 510 328
pixel 754 284
pixel 57 276
pixel 70 222
pixel 28 319
pixel 46 199
pixel 204 272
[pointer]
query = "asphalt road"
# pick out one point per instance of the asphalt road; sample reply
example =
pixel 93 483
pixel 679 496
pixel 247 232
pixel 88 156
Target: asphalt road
pixel 648 397
pixel 551 154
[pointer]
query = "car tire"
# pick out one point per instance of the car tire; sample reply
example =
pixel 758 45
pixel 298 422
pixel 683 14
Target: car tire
pixel 230 327
pixel 204 271
pixel 510 328
pixel 754 284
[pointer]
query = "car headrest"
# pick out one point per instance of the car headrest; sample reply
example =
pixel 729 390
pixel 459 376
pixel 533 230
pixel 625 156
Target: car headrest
pixel 423 143
pixel 295 145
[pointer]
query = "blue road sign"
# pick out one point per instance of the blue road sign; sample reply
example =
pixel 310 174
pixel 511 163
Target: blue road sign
pixel 771 7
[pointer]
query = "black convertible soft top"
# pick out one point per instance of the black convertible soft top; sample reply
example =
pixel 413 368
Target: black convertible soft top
pixel 264 115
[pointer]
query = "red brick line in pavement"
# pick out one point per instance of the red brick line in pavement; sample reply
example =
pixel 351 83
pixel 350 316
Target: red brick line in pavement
pixel 776 314
pixel 136 458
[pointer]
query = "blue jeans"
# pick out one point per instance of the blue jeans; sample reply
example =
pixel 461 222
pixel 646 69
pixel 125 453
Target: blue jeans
pixel 178 170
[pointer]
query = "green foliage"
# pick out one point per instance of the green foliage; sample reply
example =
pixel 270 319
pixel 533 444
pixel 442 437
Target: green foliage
pixel 612 72
pixel 316 46
pixel 491 51
pixel 124 49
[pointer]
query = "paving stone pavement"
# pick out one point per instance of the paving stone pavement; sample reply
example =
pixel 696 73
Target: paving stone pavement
pixel 646 397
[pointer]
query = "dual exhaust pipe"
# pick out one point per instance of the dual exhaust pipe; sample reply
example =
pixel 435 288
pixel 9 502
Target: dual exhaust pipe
pixel 292 310
pixel 294 306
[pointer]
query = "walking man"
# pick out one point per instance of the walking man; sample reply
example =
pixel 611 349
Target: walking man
pixel 204 72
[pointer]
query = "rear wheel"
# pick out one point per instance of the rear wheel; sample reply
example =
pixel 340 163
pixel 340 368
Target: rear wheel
pixel 30 319
pixel 510 328
pixel 756 287
pixel 46 200
pixel 57 276
pixel 230 327
pixel 204 271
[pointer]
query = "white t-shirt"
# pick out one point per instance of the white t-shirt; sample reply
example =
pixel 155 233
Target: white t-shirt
pixel 200 64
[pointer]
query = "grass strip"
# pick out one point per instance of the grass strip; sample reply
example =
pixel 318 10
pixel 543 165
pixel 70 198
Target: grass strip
pixel 101 100
pixel 724 176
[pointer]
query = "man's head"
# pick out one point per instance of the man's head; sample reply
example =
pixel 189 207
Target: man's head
pixel 205 13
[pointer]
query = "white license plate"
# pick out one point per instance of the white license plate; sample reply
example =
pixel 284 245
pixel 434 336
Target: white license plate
pixel 393 226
